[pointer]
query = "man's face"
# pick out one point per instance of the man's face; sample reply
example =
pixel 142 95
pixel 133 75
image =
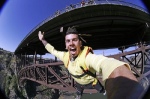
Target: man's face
pixel 73 44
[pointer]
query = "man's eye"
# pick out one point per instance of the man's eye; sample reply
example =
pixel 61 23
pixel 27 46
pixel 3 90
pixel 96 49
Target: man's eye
pixel 75 39
pixel 67 41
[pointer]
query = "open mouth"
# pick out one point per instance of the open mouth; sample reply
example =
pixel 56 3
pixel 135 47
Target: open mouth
pixel 72 49
pixel 73 52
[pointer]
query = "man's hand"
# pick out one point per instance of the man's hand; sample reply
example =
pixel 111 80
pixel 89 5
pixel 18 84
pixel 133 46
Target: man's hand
pixel 41 35
pixel 41 38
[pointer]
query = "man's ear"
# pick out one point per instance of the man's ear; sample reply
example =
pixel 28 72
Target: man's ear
pixel 80 43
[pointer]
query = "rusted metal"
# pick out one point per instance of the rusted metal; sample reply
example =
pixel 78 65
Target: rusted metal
pixel 47 74
pixel 139 52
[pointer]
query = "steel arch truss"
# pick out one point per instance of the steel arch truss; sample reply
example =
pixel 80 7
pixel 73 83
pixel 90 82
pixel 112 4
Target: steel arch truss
pixel 54 75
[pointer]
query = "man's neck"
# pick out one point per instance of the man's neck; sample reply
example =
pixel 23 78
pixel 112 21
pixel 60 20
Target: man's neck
pixel 73 58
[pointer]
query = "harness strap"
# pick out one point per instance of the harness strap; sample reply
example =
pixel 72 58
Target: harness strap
pixel 84 73
pixel 91 74
pixel 83 66
pixel 88 72
pixel 79 76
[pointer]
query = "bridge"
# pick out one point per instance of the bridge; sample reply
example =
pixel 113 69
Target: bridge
pixel 110 24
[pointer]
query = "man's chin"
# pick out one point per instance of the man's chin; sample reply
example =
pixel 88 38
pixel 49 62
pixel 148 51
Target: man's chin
pixel 73 55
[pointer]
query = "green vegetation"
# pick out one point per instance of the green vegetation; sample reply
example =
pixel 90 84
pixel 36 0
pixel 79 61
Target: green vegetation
pixel 9 81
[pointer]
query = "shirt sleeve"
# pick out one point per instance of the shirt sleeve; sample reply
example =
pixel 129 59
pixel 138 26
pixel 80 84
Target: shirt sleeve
pixel 53 51
pixel 103 65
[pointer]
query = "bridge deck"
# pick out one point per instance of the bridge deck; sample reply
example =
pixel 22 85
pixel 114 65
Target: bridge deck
pixel 111 24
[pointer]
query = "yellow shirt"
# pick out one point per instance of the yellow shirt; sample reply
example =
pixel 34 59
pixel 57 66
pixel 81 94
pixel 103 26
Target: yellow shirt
pixel 99 63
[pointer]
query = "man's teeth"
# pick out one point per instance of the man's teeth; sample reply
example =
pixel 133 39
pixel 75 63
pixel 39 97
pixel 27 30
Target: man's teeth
pixel 72 49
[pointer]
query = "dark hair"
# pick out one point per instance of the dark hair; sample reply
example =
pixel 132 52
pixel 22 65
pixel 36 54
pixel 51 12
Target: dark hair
pixel 71 30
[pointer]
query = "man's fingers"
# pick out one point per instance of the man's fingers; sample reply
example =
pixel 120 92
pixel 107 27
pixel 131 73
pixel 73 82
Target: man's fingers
pixel 39 33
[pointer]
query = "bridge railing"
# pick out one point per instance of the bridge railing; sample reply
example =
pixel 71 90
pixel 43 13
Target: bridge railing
pixel 52 75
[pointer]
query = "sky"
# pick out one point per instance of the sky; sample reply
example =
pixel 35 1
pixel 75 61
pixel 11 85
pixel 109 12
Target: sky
pixel 19 17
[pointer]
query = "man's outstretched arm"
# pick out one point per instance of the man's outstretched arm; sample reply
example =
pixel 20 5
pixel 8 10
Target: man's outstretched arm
pixel 122 84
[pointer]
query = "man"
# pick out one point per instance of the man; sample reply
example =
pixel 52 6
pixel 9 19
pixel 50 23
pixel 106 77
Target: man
pixel 116 75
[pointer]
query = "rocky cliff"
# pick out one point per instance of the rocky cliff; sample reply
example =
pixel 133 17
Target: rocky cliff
pixel 9 83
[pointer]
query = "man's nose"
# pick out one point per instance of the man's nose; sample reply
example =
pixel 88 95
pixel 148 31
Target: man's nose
pixel 71 42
